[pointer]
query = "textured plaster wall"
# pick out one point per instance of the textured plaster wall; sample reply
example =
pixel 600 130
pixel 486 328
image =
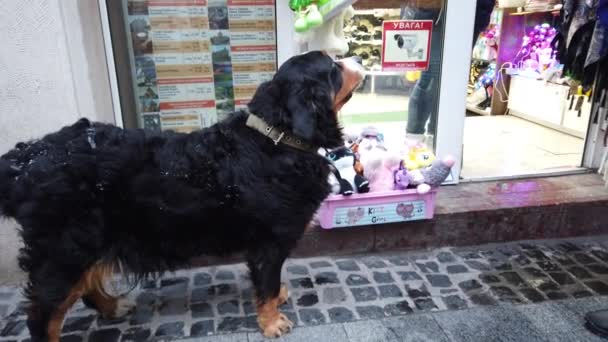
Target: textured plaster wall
pixel 52 71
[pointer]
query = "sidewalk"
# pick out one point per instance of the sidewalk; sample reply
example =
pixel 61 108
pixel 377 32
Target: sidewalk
pixel 480 293
pixel 546 322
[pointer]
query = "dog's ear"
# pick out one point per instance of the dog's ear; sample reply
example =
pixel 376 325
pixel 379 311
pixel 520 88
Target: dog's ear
pixel 303 112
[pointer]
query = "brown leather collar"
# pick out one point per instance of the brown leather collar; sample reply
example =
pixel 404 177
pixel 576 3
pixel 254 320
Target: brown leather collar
pixel 278 136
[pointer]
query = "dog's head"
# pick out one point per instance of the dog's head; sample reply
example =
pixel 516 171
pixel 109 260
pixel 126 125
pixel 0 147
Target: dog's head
pixel 305 95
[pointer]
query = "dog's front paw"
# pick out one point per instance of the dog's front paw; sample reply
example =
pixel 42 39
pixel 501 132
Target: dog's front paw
pixel 278 327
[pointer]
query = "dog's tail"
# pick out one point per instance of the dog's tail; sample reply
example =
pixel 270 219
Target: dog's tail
pixel 7 176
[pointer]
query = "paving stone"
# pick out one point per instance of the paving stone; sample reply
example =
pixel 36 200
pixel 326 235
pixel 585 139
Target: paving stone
pixel 223 290
pixel 368 331
pixel 532 295
pixel 202 328
pixel 556 295
pixel 482 299
pixel 231 324
pixel 150 284
pixel 297 270
pixel 248 308
pixel 447 291
pixel 175 284
pixel 370 312
pixel 535 272
pixel 489 278
pixel 302 283
pixel 521 260
pixel 373 263
pixel 598 287
pixel 561 278
pixel 288 305
pixel 536 254
pixel 415 328
pixel 425 304
pixel 383 277
pixel 333 295
pixel 568 247
pixel 201 310
pixel 547 285
pixel 320 264
pixel 428 267
pixel 417 292
pixel 225 276
pixel 73 324
pixel 600 254
pixel 584 259
pixel 470 285
pixel 141 316
pixel 13 328
pixel 105 322
pixel 138 334
pixel 364 294
pixel 549 266
pixel 598 269
pixel 513 278
pixel 173 306
pixel 581 294
pixel 312 316
pixel 477 265
pixel 399 308
pixel 439 280
pixel 579 272
pixel 340 315
pixel 502 292
pixel 228 307
pixel 356 280
pixel 501 265
pixel 446 257
pixel 456 269
pixel 105 335
pixel 201 294
pixel 308 299
pixel 409 276
pixel 330 332
pixel 399 260
pixel 327 278
pixel 347 265
pixel 454 302
pixel 390 291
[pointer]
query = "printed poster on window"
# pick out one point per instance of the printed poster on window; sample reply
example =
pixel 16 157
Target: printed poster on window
pixel 196 61
pixel 406 45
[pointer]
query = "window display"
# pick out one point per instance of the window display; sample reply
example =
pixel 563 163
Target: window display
pixel 196 61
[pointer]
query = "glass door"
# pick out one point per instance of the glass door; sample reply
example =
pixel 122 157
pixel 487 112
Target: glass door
pixel 403 106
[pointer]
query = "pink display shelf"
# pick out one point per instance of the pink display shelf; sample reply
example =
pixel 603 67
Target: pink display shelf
pixel 374 208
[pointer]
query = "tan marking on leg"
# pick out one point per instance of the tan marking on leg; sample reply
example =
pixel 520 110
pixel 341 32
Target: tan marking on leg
pixel 272 322
pixel 91 280
pixel 283 295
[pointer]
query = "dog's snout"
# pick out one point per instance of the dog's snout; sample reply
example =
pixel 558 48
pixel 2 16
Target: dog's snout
pixel 353 64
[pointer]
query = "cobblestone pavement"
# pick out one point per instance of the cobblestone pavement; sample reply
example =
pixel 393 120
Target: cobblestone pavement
pixel 325 291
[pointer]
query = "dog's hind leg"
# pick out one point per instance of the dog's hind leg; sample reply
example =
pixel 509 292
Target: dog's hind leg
pixel 52 292
pixel 265 265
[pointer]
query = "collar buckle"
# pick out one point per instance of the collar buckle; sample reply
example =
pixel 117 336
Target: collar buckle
pixel 279 138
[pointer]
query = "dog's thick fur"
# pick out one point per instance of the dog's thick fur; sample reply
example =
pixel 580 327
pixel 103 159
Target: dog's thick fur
pixel 93 197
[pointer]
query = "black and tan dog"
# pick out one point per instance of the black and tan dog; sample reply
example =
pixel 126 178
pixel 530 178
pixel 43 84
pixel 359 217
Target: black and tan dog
pixel 93 199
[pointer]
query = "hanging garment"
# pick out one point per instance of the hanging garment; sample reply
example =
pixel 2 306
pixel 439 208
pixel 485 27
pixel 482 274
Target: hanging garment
pixel 598 48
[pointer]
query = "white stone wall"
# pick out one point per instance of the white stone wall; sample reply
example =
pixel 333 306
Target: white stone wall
pixel 52 71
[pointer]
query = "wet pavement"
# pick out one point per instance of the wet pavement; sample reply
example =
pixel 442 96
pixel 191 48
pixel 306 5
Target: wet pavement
pixel 480 293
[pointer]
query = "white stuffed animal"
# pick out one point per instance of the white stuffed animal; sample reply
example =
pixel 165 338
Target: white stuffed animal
pixel 329 37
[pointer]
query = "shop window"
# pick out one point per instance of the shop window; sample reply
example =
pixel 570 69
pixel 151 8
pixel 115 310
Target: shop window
pixel 400 104
pixel 186 64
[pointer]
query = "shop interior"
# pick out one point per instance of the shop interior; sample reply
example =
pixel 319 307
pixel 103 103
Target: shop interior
pixel 523 116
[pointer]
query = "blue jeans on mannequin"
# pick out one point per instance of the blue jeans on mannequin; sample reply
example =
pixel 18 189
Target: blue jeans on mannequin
pixel 423 99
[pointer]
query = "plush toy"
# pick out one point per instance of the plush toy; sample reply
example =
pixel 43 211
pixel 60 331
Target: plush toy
pixel 430 177
pixel 402 178
pixel 328 34
pixel 378 162
pixel 344 179
pixel 308 15
pixel 418 156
